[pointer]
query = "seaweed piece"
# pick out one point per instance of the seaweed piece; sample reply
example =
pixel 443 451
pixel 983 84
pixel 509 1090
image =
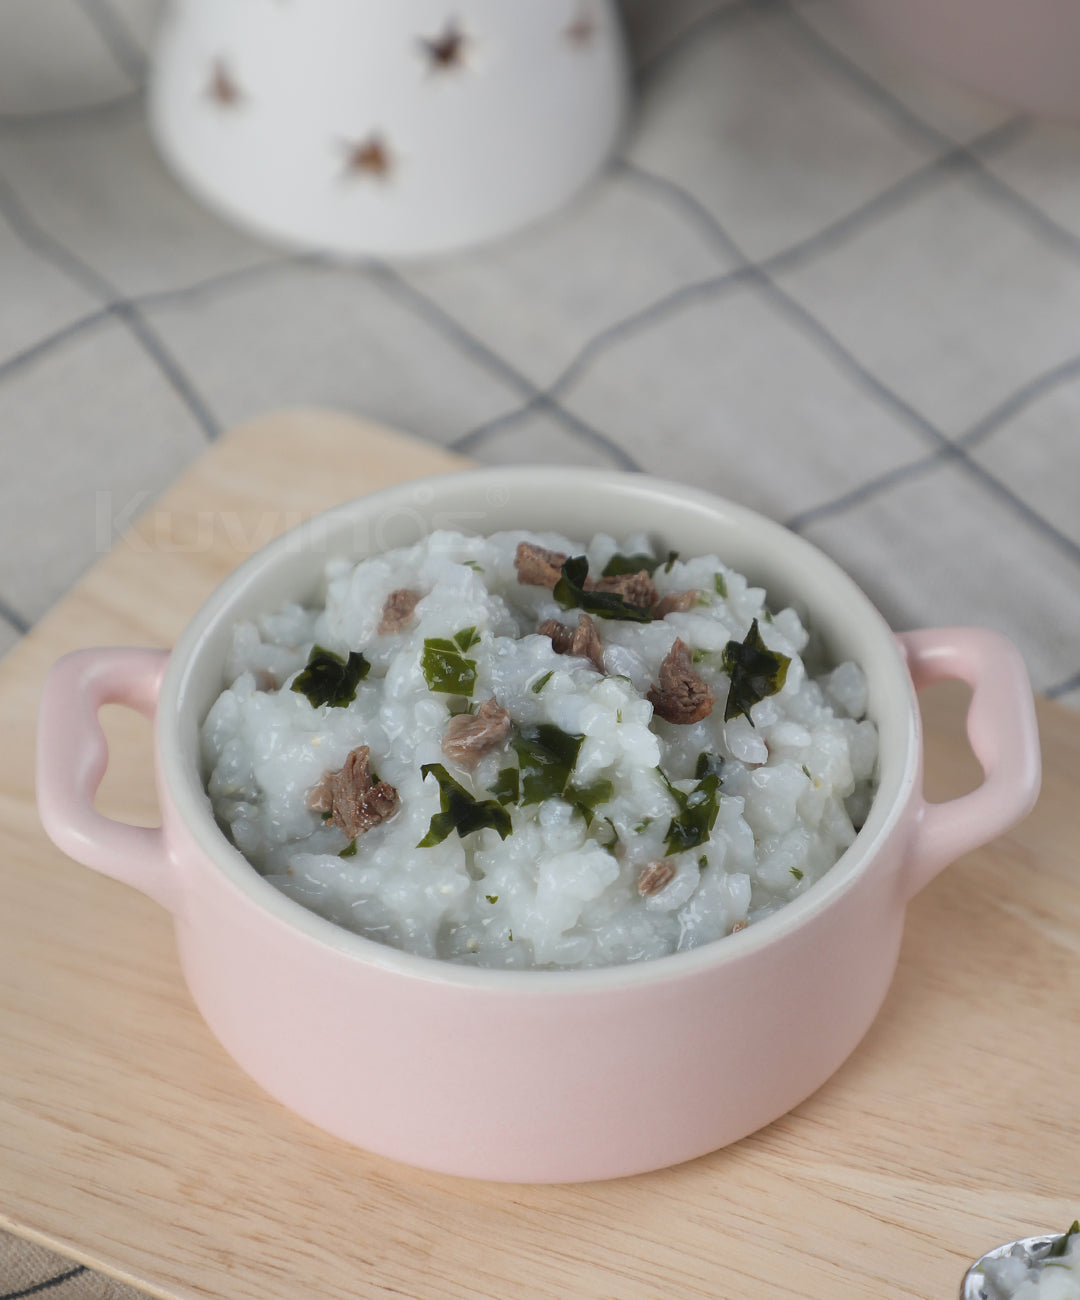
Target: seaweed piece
pixel 587 798
pixel 570 592
pixel 755 671
pixel 1060 1247
pixel 698 808
pixel 445 666
pixel 461 812
pixel 541 682
pixel 507 786
pixel 329 679
pixel 547 755
pixel 709 765
pixel 620 564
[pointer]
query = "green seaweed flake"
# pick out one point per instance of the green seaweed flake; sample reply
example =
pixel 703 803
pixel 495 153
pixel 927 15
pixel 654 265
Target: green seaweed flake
pixel 547 755
pixel 1060 1247
pixel 446 669
pixel 709 765
pixel 506 787
pixel 755 671
pixel 461 812
pixel 697 813
pixel 329 679
pixel 349 851
pixel 619 565
pixel 586 799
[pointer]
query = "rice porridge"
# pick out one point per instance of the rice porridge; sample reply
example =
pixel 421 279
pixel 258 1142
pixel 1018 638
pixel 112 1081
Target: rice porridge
pixel 519 751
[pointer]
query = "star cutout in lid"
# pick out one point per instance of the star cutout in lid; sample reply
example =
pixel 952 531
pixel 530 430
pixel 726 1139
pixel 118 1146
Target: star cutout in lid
pixel 582 30
pixel 447 51
pixel 369 157
pixel 222 87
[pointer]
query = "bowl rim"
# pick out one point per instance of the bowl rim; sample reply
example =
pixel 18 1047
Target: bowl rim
pixel 184 789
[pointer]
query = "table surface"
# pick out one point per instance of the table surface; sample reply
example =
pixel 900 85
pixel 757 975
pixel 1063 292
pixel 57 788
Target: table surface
pixel 815 279
pixel 131 1142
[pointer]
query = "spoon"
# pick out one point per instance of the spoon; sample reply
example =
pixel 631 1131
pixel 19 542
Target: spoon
pixel 1032 1251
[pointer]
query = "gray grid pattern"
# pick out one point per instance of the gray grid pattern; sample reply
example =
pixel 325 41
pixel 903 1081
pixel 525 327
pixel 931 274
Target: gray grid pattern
pixel 739 324
pixel 815 280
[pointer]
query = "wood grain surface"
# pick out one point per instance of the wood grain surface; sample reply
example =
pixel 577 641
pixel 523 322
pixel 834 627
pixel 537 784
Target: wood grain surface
pixel 130 1141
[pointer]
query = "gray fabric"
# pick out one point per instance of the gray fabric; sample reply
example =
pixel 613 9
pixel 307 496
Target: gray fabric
pixel 817 280
pixel 29 1270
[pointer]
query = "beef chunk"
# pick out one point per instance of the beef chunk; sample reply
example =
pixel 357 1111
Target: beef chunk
pixel 681 696
pixel 678 602
pixel 538 567
pixel 584 640
pixel 398 610
pixel 469 736
pixel 355 802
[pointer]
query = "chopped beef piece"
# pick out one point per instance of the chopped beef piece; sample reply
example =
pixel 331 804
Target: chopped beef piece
pixel 635 588
pixel 398 610
pixel 537 566
pixel 739 925
pixel 682 696
pixel 676 603
pixel 654 877
pixel 586 642
pixel 469 736
pixel 558 633
pixel 583 641
pixel 354 800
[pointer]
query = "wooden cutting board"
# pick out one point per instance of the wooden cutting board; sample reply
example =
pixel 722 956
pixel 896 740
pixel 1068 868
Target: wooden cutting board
pixel 130 1141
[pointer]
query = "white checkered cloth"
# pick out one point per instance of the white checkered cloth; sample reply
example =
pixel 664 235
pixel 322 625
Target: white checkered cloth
pixel 816 281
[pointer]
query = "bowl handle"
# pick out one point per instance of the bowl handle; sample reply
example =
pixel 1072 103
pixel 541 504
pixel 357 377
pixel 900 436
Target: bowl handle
pixel 72 756
pixel 1004 735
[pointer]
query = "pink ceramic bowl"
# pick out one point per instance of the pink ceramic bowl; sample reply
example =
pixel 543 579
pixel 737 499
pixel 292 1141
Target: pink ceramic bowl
pixel 537 1075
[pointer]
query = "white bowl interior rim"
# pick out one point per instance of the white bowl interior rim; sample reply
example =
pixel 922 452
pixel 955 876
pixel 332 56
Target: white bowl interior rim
pixel 541 498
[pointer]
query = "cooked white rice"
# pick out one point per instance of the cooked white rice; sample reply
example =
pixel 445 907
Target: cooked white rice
pixel 559 891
